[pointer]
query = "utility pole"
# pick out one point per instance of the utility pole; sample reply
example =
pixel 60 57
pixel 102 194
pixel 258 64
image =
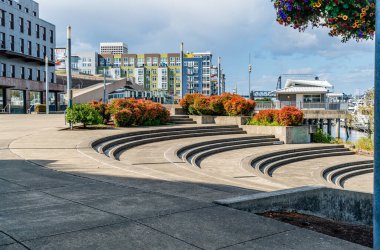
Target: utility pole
pixel 47 83
pixel 69 78
pixel 219 74
pixel 104 87
pixel 249 76
pixel 376 210
pixel 181 75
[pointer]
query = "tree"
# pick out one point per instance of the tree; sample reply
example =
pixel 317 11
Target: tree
pixel 350 19
pixel 83 113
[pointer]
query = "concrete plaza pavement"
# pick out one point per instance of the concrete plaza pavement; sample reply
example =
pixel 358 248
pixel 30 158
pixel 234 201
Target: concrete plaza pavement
pixel 58 193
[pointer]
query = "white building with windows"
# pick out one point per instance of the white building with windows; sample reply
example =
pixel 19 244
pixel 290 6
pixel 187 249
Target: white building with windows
pixel 118 48
pixel 87 63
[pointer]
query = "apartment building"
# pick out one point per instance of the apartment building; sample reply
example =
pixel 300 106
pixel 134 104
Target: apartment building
pixel 114 48
pixel 162 72
pixel 25 40
pixel 156 72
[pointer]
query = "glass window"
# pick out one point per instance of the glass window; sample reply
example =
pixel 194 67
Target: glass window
pixel 312 98
pixel 35 98
pixel 17 101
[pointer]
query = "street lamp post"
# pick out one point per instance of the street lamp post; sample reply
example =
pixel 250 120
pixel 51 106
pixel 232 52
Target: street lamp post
pixel 104 87
pixel 249 77
pixel 69 78
pixel 47 83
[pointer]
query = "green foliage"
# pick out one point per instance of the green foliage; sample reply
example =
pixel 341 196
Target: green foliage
pixel 365 143
pixel 83 113
pixel 322 137
pixel 40 108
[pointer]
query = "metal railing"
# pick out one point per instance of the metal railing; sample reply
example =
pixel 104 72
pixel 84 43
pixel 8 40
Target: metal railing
pixel 343 106
pixel 4 110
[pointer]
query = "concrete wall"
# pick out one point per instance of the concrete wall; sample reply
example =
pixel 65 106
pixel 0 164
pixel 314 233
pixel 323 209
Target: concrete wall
pixel 334 204
pixel 220 120
pixel 289 135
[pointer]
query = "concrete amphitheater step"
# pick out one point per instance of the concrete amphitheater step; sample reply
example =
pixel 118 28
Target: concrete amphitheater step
pixel 115 151
pixel 103 144
pixel 185 152
pixel 339 181
pixel 333 174
pixel 183 122
pixel 270 168
pixel 267 163
pixel 181 119
pixel 260 161
pixel 197 158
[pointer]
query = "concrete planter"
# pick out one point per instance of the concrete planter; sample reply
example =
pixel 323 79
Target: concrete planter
pixel 289 135
pixel 220 120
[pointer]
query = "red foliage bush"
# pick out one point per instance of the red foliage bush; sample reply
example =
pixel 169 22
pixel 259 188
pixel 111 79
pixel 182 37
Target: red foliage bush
pixel 225 104
pixel 268 116
pixel 202 105
pixel 188 101
pixel 127 112
pixel 291 116
pixel 123 118
pixel 239 106
pixel 103 110
pixel 287 116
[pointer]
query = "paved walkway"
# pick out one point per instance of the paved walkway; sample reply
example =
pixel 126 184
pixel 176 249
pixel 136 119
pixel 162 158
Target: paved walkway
pixel 57 193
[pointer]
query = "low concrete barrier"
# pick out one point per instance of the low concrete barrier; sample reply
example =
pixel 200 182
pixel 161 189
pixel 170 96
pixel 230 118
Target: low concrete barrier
pixel 335 204
pixel 220 120
pixel 289 135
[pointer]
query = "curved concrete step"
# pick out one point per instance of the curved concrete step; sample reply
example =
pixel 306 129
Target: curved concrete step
pixel 335 175
pixel 100 141
pixel 182 150
pixel 342 178
pixel 255 161
pixel 184 122
pixel 270 168
pixel 187 156
pixel 104 144
pixel 326 173
pixel 264 162
pixel 197 159
pixel 115 151
pixel 340 173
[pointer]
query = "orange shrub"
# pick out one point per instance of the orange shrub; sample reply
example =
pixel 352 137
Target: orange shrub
pixel 291 116
pixel 239 106
pixel 287 116
pixel 202 105
pixel 225 104
pixel 188 101
pixel 267 117
pixel 103 110
pixel 127 112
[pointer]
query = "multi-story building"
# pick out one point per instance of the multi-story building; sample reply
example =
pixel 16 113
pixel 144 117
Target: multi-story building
pixel 156 72
pixel 84 63
pixel 162 72
pixel 114 48
pixel 25 40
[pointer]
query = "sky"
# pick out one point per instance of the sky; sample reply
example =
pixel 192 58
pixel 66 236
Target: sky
pixel 230 29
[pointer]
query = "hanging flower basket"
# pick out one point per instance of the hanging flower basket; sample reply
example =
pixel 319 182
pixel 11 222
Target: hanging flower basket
pixel 349 19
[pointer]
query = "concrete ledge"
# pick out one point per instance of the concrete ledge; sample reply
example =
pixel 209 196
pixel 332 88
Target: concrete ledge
pixel 289 135
pixel 220 120
pixel 334 204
